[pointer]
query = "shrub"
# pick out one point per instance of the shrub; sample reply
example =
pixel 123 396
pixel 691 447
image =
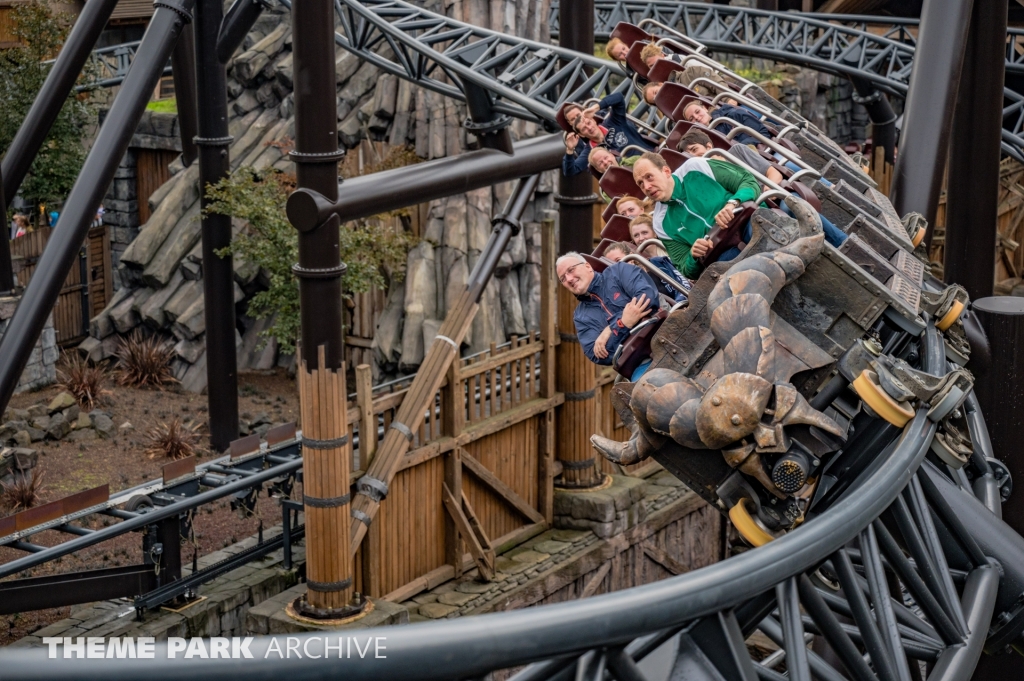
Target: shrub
pixel 24 492
pixel 258 197
pixel 83 380
pixel 40 33
pixel 145 361
pixel 174 440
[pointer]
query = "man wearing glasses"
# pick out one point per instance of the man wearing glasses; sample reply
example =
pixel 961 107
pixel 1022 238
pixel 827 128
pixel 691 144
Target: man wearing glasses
pixel 610 304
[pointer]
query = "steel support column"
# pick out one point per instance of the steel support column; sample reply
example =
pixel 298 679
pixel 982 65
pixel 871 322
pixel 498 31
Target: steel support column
pixel 80 207
pixel 973 186
pixel 183 69
pixel 575 374
pixel 218 271
pixel 883 118
pixel 47 104
pixel 326 449
pixel 1000 390
pixel 927 118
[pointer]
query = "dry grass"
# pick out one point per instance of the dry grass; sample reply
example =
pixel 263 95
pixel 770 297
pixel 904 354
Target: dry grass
pixel 174 440
pixel 145 362
pixel 23 493
pixel 83 380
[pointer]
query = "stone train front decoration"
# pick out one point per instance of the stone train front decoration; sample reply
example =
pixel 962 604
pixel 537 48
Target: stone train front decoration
pixel 794 364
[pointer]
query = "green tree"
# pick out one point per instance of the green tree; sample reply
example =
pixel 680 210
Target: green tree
pixel 41 33
pixel 269 240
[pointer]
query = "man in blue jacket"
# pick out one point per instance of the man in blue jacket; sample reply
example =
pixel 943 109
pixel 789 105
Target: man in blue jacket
pixel 615 133
pixel 611 303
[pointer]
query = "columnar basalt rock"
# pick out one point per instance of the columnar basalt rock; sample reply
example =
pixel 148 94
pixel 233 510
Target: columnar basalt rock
pixel 159 271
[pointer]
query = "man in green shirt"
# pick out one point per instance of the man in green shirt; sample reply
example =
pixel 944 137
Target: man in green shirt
pixel 700 194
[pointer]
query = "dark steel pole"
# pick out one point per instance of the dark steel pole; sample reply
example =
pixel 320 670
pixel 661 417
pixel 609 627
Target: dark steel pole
pixel 54 93
pixel 924 136
pixel 972 191
pixel 1000 390
pixel 368 195
pixel 490 127
pixel 183 69
pixel 47 104
pixel 883 118
pixel 239 19
pixel 218 271
pixel 575 376
pixel 327 452
pixel 576 196
pixel 80 208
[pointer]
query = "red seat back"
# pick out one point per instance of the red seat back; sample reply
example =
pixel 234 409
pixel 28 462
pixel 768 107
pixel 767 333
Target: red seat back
pixel 724 239
pixel 611 209
pixel 602 247
pixel 718 140
pixel 673 158
pixel 670 95
pixel 677 114
pixel 560 118
pixel 618 181
pixel 629 33
pixel 805 193
pixel 616 229
pixel 662 69
pixel 633 59
pixel 599 264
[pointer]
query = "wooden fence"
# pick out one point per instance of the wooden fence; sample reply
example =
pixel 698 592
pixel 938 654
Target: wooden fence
pixel 1009 256
pixel 87 287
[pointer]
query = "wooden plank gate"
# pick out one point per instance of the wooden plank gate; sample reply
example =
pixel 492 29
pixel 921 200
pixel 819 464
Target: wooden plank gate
pixel 86 289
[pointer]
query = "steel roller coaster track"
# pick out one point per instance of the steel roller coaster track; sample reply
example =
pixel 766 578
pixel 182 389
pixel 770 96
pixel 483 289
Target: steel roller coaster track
pixel 905 569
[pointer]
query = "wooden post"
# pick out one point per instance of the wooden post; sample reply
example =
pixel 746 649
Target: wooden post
pixel 548 334
pixel 453 482
pixel 327 462
pixel 367 419
pixel 576 377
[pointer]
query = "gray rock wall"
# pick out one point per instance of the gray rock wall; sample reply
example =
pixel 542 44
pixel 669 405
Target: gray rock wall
pixel 41 369
pixel 159 264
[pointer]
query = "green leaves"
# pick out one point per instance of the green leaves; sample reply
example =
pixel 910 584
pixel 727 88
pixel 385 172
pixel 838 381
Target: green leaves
pixel 41 33
pixel 258 198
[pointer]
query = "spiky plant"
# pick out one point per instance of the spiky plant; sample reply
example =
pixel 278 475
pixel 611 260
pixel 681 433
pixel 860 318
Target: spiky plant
pixel 23 493
pixel 83 380
pixel 174 440
pixel 144 362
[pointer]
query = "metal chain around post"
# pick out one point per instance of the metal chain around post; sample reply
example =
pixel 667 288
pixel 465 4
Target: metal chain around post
pixel 326 447
pixel 575 376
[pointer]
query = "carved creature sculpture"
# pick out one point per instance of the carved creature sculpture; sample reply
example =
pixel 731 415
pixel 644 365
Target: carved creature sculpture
pixel 747 411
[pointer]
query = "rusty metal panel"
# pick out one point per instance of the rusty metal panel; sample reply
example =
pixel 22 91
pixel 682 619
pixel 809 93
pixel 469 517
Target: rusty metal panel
pixel 39 514
pixel 8 525
pixel 176 469
pixel 86 498
pixel 279 434
pixel 244 445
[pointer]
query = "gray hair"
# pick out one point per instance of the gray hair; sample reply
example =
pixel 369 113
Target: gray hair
pixel 570 255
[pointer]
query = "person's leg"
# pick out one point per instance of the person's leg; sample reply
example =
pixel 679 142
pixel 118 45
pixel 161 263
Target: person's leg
pixel 640 370
pixel 833 234
pixel 746 235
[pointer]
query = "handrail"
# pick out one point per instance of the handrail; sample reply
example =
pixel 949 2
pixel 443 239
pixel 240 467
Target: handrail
pixel 761 178
pixel 771 144
pixel 653 269
pixel 472 647
pixel 748 103
pixel 699 46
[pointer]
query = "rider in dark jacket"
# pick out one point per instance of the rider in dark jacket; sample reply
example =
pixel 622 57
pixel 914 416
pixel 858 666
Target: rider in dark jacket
pixel 602 319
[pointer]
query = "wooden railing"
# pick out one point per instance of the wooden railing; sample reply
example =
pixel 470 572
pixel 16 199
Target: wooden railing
pixel 474 469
